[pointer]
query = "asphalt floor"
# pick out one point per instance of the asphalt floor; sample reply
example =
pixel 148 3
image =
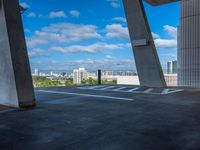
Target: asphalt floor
pixel 105 118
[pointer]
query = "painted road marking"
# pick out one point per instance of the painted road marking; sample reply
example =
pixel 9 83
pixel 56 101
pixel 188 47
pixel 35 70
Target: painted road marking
pixel 170 91
pixel 108 87
pixel 86 95
pixel 98 86
pixel 131 90
pixel 137 90
pixel 92 87
pixel 148 91
pixel 119 89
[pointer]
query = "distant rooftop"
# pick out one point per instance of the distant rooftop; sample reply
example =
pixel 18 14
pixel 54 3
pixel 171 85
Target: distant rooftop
pixel 160 2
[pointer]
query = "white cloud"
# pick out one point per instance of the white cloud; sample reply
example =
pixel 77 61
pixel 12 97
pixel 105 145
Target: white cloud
pixel 166 43
pixel 57 14
pixel 74 13
pixel 109 57
pixel 27 30
pixel 122 19
pixel 107 64
pixel 93 48
pixel 171 31
pixel 63 33
pixel 117 31
pixel 36 53
pixel 155 36
pixel 169 56
pixel 24 5
pixel 114 3
pixel 90 64
pixel 32 14
pixel 32 42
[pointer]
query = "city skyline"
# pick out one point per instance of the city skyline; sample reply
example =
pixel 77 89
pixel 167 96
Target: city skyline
pixel 83 76
pixel 57 36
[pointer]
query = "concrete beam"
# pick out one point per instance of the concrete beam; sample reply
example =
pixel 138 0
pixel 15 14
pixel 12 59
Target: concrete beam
pixel 146 57
pixel 16 88
pixel 160 2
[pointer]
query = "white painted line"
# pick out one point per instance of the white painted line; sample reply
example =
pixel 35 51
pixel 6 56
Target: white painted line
pixel 132 90
pixel 94 87
pixel 108 87
pixel 83 88
pixel 165 91
pixel 118 89
pixel 91 87
pixel 148 91
pixel 171 91
pixel 86 95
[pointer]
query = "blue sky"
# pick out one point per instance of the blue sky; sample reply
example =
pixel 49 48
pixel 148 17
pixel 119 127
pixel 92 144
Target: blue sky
pixel 67 34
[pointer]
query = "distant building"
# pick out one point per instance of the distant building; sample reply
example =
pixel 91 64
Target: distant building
pixel 79 75
pixel 107 73
pixel 125 73
pixel 41 74
pixel 171 79
pixel 36 72
pixel 128 80
pixel 172 67
pixel 92 75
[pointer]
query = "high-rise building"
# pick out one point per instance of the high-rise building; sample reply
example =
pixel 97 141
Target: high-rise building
pixel 79 75
pixel 36 72
pixel 172 67
pixel 189 44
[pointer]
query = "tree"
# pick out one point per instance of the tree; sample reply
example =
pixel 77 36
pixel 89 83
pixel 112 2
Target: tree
pixel 89 81
pixel 69 82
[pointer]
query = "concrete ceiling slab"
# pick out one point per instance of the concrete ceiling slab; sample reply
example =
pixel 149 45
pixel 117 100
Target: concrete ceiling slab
pixel 160 2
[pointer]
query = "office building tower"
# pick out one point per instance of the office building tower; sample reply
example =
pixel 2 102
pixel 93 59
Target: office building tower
pixel 172 67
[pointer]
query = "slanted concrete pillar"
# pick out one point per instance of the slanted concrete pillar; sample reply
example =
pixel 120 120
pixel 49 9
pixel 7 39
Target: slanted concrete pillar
pixel 146 58
pixel 16 88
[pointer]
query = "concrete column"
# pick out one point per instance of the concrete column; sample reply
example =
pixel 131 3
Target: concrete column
pixel 16 88
pixel 146 57
pixel 189 44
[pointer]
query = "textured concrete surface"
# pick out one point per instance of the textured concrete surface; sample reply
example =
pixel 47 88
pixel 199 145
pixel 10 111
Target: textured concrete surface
pixel 160 2
pixel 188 44
pixel 146 58
pixel 16 87
pixel 63 119
pixel 8 92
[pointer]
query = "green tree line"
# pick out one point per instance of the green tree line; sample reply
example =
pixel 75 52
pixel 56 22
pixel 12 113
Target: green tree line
pixel 45 82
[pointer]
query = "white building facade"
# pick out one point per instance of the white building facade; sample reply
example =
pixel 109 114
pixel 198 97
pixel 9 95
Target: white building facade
pixel 171 80
pixel 79 75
